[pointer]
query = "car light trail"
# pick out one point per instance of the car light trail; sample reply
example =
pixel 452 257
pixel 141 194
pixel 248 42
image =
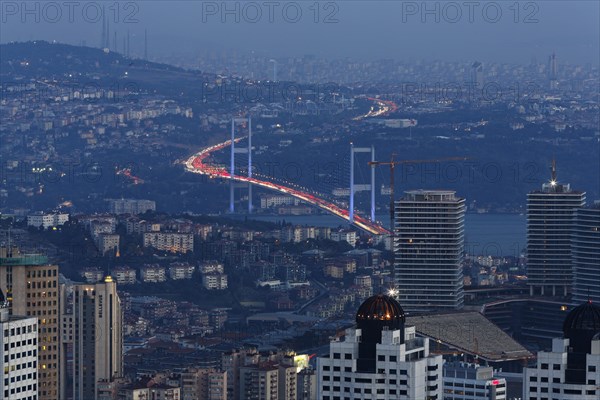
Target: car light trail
pixel 196 164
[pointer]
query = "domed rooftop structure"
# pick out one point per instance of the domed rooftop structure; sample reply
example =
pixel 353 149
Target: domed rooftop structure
pixel 376 314
pixel 581 325
pixel 380 311
pixel 584 317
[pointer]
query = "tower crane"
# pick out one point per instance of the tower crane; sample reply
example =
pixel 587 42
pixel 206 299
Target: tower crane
pixel 392 163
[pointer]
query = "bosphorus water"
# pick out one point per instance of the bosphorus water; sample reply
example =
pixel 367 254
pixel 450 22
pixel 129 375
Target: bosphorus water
pixel 485 234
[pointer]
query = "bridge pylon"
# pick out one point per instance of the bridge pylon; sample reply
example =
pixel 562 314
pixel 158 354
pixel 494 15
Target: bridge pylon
pixel 361 187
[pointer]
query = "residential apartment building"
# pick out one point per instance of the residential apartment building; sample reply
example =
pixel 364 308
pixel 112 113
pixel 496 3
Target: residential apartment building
pixel 170 241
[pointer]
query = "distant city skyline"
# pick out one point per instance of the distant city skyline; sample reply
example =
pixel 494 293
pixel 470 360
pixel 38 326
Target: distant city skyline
pixel 132 266
pixel 490 32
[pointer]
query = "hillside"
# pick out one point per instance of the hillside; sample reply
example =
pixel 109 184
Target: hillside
pixel 81 65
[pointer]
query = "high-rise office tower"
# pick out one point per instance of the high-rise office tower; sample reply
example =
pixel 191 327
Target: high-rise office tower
pixel 553 71
pixel 552 66
pixel 550 216
pixel 97 337
pixel 585 248
pixel 32 288
pixel 380 359
pixel 18 352
pixel 274 75
pixel 428 247
pixel 477 75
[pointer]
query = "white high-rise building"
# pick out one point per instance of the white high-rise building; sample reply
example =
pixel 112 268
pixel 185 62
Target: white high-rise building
pixel 380 359
pixel 428 247
pixel 550 214
pixel 18 353
pixel 97 337
pixel 571 371
pixel 464 381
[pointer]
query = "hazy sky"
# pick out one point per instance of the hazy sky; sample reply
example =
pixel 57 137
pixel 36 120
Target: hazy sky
pixel 501 31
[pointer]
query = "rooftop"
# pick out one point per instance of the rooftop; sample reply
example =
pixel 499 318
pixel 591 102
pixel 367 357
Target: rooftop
pixel 471 333
pixel 24 259
pixel 278 316
pixel 422 195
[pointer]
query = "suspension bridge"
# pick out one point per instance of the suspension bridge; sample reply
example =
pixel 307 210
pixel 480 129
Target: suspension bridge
pixel 198 164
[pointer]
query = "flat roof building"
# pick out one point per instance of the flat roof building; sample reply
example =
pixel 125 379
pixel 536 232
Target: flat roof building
pixel 465 381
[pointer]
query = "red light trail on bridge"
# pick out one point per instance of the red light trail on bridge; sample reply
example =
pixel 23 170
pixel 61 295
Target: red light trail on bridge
pixel 196 164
